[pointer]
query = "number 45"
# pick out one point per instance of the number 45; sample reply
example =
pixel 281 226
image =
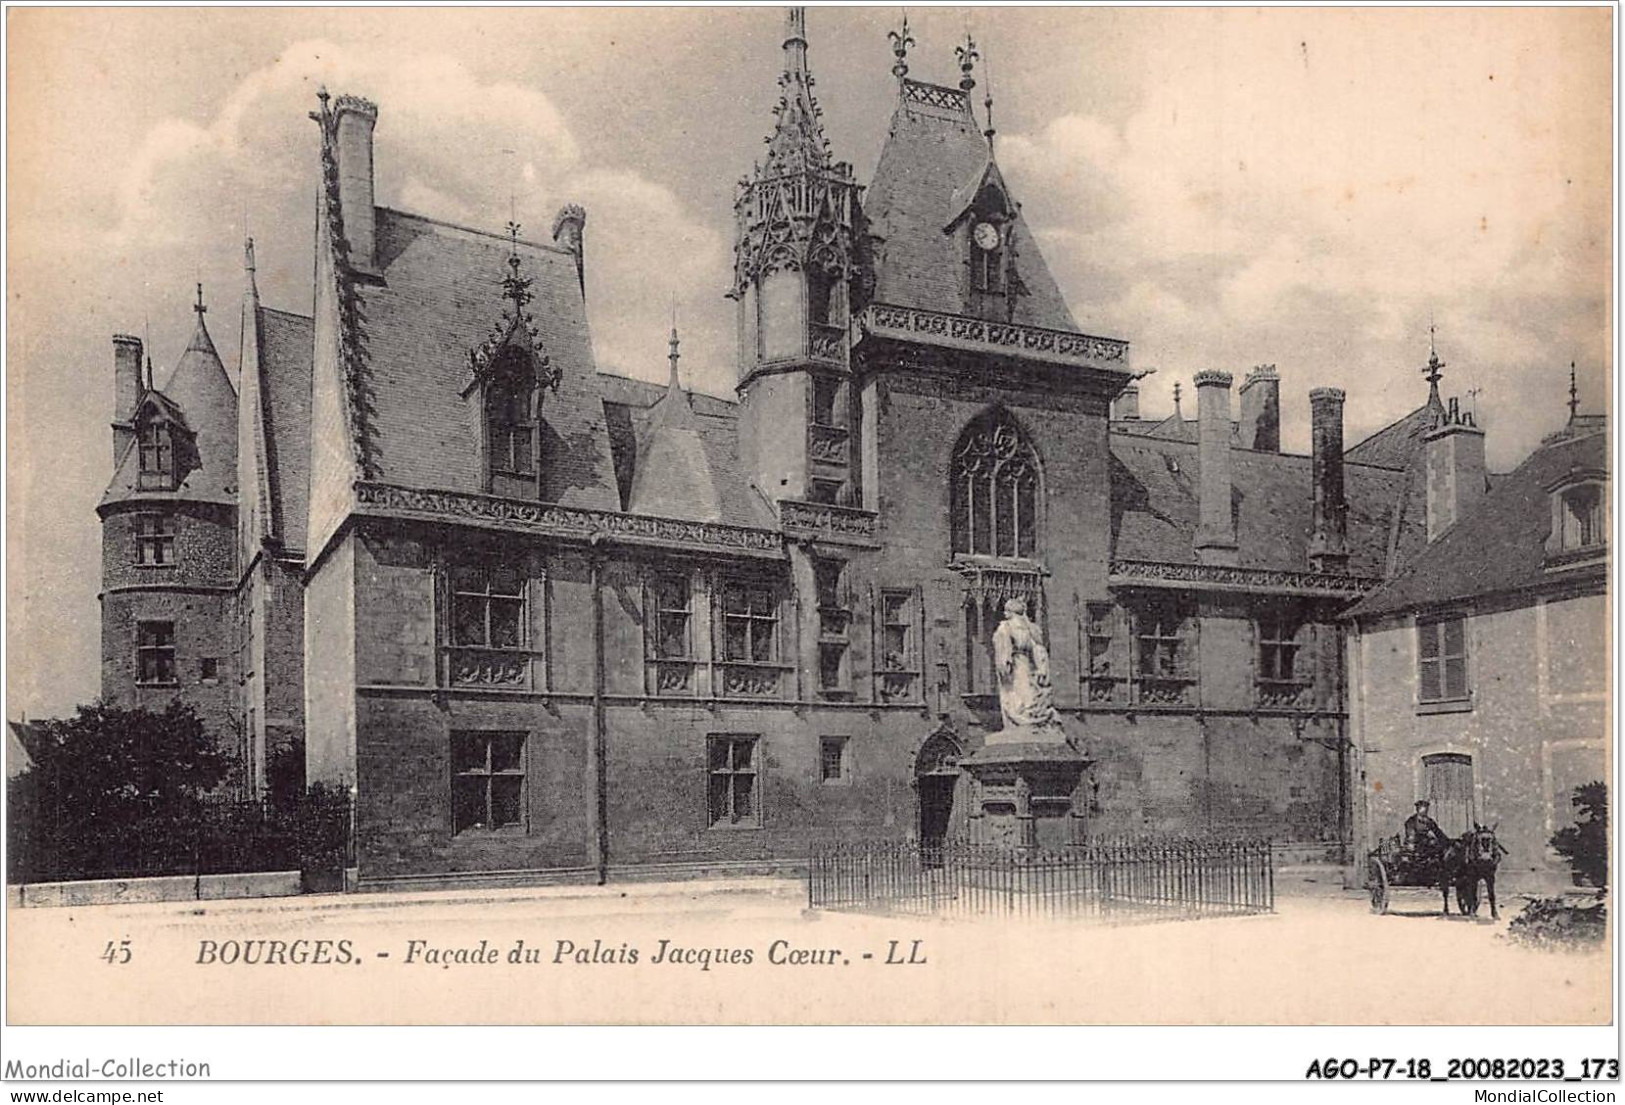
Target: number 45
pixel 118 953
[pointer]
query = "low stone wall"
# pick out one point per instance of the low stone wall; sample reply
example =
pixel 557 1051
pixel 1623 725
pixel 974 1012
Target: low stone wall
pixel 171 888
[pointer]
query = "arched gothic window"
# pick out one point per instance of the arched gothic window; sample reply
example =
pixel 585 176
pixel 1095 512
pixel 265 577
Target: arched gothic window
pixel 995 490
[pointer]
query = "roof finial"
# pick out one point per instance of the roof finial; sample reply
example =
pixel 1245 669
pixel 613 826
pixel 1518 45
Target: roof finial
pixel 514 286
pixel 1177 413
pixel 198 306
pixel 1574 395
pixel 1435 367
pixel 987 102
pixel 673 384
pixel 967 60
pixel 901 40
pixel 248 254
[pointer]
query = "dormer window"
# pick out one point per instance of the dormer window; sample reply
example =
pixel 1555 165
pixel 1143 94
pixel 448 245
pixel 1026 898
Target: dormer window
pixel 987 258
pixel 511 438
pixel 512 429
pixel 157 457
pixel 1582 517
pixel 1579 517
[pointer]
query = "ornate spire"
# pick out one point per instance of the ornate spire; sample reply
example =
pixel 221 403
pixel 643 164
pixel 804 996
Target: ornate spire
pixel 198 306
pixel 901 40
pixel 797 142
pixel 1177 415
pixel 967 56
pixel 1574 395
pixel 1434 370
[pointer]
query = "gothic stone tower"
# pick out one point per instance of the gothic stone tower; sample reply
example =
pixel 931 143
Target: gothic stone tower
pixel 797 218
pixel 168 535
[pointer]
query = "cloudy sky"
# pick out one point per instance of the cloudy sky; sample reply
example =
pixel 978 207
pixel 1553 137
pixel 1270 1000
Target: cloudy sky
pixel 1223 188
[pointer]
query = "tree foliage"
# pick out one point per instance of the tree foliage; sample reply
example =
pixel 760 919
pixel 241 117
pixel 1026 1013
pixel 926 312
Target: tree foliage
pixel 1585 843
pixel 110 789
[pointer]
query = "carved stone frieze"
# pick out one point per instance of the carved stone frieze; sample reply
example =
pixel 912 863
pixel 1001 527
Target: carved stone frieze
pixel 563 521
pixel 1220 578
pixel 1060 346
pixel 827 521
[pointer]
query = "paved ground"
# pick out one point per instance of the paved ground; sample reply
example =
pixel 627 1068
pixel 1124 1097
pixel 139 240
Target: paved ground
pixel 745 950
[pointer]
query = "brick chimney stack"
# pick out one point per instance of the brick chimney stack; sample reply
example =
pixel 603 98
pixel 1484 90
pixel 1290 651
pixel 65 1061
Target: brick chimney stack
pixel 354 119
pixel 1455 468
pixel 1260 427
pixel 127 385
pixel 1328 543
pixel 569 229
pixel 1216 526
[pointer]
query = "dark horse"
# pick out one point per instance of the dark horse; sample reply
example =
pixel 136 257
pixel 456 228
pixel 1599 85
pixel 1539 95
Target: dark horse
pixel 1467 860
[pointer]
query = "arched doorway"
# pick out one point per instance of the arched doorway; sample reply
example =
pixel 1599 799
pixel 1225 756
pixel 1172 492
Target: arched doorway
pixel 936 776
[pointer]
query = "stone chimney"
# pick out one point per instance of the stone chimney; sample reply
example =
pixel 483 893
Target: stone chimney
pixel 127 387
pixel 1328 542
pixel 1216 525
pixel 569 228
pixel 1260 426
pixel 354 119
pixel 1127 404
pixel 1455 468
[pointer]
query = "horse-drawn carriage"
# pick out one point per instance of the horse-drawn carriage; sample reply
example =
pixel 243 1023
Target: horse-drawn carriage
pixel 1460 863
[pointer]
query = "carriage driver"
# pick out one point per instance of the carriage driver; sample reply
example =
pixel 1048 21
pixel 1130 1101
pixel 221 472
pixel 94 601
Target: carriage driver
pixel 1422 833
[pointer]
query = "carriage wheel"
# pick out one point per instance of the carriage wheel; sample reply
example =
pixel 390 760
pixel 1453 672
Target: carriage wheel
pixel 1379 886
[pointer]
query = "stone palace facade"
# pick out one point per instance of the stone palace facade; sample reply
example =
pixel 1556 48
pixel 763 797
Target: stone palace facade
pixel 547 622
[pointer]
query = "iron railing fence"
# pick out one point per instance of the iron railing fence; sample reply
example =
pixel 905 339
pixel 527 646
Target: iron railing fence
pixel 1106 880
pixel 207 835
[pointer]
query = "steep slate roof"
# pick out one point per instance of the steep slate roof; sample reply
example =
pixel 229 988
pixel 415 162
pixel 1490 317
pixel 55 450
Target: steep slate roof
pixel 440 296
pixel 1499 547
pixel 1154 506
pixel 199 395
pixel 286 348
pixel 1394 445
pixel 930 168
pixel 701 442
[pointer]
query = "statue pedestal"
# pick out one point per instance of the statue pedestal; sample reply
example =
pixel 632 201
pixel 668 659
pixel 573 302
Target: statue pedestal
pixel 1029 792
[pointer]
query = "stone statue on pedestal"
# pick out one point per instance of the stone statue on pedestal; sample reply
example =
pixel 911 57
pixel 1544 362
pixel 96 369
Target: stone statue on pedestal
pixel 1026 698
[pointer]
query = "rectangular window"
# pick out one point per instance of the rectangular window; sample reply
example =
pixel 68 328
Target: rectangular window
pixel 673 619
pixel 1282 678
pixel 1102 670
pixel 733 797
pixel 154 539
pixel 832 763
pixel 155 652
pixel 157 457
pixel 209 669
pixel 1441 653
pixel 669 635
pixel 897 632
pixel 1164 656
pixel 826 399
pixel 488 607
pixel 488 781
pixel 834 620
pixel 750 623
